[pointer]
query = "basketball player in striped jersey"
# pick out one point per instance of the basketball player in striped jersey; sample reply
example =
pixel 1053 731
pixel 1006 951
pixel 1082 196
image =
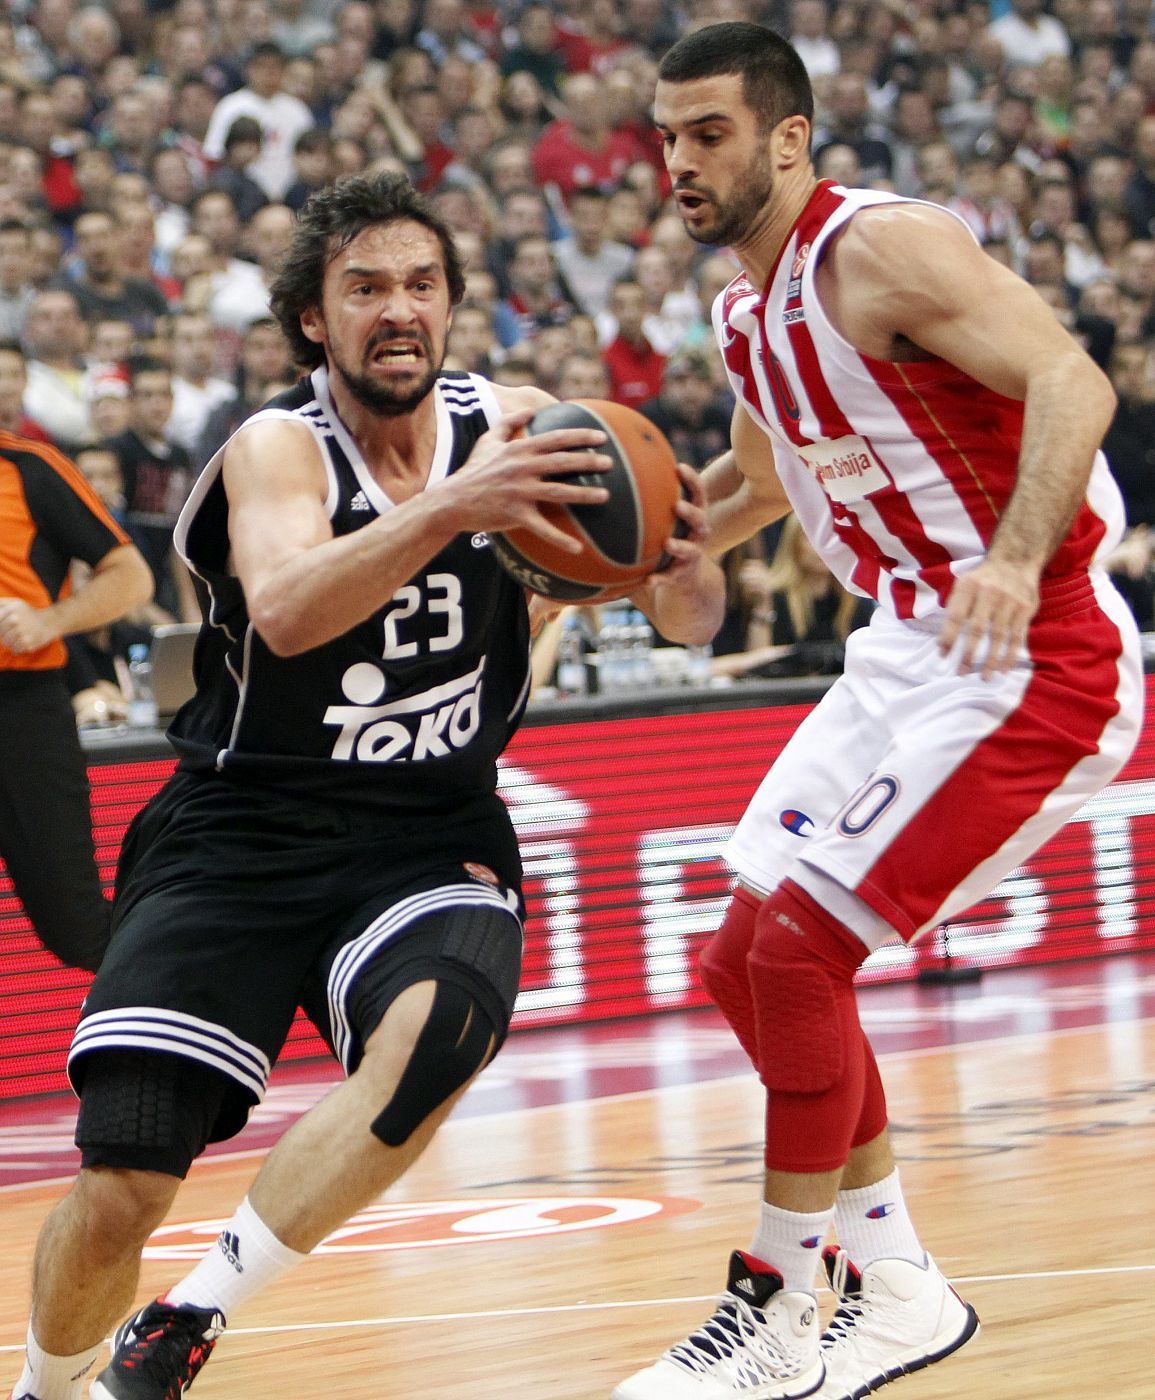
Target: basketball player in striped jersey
pixel 332 837
pixel 936 432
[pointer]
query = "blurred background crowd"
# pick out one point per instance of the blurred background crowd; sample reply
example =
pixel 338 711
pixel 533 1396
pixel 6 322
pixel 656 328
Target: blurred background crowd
pixel 153 154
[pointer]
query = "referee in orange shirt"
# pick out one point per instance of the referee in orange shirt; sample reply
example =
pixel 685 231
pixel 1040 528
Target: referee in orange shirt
pixel 49 516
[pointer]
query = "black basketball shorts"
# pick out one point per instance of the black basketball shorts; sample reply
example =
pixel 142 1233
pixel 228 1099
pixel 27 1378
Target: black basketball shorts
pixel 235 906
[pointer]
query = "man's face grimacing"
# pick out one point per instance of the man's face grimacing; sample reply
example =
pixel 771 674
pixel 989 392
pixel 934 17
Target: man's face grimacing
pixel 719 158
pixel 384 316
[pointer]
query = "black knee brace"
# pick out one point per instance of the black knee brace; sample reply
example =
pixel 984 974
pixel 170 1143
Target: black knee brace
pixel 455 1042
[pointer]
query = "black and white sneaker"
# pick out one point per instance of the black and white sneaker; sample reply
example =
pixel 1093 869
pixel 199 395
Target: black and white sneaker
pixel 156 1354
pixel 760 1344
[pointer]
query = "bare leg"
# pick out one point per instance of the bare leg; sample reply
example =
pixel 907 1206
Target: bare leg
pixel 869 1163
pixel 88 1255
pixel 329 1165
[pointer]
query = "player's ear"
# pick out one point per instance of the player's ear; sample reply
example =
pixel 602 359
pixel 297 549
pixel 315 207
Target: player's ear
pixel 791 140
pixel 313 325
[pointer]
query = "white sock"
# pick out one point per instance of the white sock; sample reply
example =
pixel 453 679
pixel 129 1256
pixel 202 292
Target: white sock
pixel 53 1377
pixel 246 1256
pixel 790 1241
pixel 873 1223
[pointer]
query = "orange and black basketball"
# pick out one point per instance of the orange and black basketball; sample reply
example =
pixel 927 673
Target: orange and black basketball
pixel 622 538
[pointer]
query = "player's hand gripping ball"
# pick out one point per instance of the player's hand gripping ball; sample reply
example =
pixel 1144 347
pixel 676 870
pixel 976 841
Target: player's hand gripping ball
pixel 622 538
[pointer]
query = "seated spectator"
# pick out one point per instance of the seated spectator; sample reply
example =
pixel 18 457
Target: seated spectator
pixel 313 166
pixel 536 299
pixel 265 360
pixel 13 383
pixel 55 337
pixel 588 259
pixel 108 389
pixel 583 376
pixel 582 148
pixel 100 286
pixel 243 142
pixel 158 476
pixel 197 391
pixel 690 410
pixel 472 344
pixel 799 615
pixel 536 50
pixel 235 292
pixel 282 118
pixel 635 367
pixel 848 123
pixel 16 290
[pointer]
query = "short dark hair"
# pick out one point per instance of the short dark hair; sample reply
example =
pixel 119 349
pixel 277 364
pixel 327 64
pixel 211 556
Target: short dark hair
pixel 775 84
pixel 330 220
pixel 136 365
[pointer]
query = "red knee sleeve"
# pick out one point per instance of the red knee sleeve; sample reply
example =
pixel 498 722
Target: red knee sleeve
pixel 723 968
pixel 809 1040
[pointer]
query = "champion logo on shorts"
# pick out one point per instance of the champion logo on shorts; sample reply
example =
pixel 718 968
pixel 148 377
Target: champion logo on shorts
pixel 360 502
pixel 229 1245
pixel 794 821
pixel 481 872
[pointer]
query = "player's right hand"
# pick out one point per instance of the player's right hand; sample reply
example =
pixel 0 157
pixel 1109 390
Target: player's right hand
pixel 510 475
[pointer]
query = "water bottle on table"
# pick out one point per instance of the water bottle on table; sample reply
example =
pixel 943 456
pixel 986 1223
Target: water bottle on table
pixel 141 700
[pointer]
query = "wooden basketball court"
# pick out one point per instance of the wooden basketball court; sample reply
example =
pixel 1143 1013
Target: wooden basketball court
pixel 575 1216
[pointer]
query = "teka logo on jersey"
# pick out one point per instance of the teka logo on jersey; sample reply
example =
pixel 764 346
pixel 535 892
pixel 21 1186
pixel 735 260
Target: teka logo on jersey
pixel 797 823
pixel 431 724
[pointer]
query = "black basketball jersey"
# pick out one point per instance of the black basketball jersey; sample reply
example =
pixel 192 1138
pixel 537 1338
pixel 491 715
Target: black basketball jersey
pixel 409 708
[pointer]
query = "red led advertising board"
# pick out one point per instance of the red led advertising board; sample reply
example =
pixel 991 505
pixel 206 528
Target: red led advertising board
pixel 621 822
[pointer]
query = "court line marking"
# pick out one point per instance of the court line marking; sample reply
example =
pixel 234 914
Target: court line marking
pixel 917 1053
pixel 513 1313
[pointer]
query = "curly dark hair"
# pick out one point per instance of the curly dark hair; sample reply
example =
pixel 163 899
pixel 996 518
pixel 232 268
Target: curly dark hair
pixel 331 219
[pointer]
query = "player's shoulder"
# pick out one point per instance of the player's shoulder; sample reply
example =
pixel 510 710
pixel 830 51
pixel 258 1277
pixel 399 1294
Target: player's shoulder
pixel 523 398
pixel 900 229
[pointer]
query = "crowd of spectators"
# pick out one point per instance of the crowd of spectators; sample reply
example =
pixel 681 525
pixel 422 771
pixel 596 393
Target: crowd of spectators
pixel 153 153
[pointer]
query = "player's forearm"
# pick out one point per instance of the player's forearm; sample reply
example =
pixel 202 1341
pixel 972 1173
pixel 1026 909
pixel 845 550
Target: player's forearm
pixel 321 593
pixel 1068 409
pixel 688 604
pixel 118 584
pixel 736 510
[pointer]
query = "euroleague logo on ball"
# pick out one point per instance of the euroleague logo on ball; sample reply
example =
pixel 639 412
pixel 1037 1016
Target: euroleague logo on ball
pixel 434 1224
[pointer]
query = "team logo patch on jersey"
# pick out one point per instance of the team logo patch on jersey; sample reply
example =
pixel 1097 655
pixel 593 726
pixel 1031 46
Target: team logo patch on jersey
pixel 481 872
pixel 800 260
pixel 795 822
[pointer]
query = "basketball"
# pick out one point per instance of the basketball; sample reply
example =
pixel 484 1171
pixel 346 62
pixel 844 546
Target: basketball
pixel 621 538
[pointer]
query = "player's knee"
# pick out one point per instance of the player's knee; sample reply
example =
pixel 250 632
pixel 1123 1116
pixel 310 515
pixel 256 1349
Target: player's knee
pixel 723 968
pixel 117 1210
pixel 455 1041
pixel 801 974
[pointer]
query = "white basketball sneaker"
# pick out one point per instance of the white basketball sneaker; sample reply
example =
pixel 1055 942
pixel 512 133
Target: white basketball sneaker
pixel 892 1318
pixel 760 1344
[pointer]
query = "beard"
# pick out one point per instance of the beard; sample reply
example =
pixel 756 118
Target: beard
pixel 388 400
pixel 734 222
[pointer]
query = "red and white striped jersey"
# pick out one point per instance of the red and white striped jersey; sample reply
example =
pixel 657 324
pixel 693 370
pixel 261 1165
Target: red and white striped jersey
pixel 898 472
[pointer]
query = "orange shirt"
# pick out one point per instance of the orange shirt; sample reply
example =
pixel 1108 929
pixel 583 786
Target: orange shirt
pixel 49 516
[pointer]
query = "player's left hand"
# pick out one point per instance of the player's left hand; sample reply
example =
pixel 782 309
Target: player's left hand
pixel 686 599
pixel 541 611
pixel 987 616
pixel 24 628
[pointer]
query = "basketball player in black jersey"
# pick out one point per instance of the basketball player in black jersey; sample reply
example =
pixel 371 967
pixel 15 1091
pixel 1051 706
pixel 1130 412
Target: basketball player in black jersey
pixel 332 837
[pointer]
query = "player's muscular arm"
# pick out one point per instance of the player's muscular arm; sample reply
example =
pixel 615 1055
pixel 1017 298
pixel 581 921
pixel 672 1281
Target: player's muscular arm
pixel 742 489
pixel 303 586
pixel 913 273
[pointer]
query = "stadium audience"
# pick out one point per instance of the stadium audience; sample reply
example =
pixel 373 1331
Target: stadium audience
pixel 152 157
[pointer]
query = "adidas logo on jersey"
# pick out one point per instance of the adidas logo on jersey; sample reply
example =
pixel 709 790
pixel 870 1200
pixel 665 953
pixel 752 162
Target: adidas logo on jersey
pixel 230 1246
pixel 360 502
